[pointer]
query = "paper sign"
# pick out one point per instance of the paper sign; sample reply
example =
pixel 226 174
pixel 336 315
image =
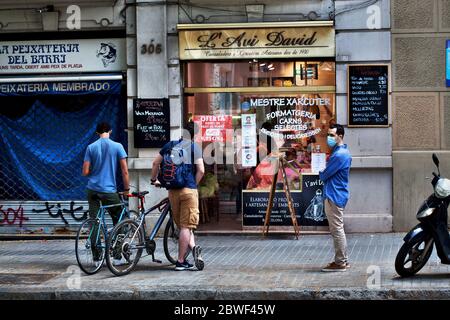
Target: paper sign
pixel 318 162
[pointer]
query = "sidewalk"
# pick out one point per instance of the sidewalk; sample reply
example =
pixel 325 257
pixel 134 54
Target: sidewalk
pixel 237 267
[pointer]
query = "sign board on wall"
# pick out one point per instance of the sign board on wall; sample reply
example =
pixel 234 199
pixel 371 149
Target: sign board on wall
pixel 271 42
pixel 62 56
pixel 368 95
pixel 151 119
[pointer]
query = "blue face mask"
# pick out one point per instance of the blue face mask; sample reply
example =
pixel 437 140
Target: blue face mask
pixel 331 142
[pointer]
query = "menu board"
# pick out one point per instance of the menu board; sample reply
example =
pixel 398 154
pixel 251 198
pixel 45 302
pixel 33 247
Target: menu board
pixel 151 122
pixel 368 95
pixel 308 205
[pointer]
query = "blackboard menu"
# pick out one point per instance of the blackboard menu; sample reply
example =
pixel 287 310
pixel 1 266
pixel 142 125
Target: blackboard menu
pixel 368 95
pixel 151 122
pixel 308 205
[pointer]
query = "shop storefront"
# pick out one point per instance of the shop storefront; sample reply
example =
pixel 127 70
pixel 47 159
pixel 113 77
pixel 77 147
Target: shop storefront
pixel 253 89
pixel 52 95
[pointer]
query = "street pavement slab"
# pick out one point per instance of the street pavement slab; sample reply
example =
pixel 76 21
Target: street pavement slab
pixel 277 267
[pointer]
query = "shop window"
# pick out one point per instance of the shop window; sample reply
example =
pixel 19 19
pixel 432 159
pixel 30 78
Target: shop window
pixel 242 130
pixel 259 73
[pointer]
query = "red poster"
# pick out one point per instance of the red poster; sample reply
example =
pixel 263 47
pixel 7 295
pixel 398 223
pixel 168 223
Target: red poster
pixel 213 127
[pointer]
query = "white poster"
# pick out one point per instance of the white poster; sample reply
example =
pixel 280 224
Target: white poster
pixel 61 56
pixel 318 162
pixel 248 140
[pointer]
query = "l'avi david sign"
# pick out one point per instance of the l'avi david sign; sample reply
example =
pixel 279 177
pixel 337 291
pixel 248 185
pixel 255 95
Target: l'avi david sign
pixel 270 42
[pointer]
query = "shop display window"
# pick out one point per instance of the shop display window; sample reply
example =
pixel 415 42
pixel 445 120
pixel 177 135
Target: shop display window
pixel 259 73
pixel 241 132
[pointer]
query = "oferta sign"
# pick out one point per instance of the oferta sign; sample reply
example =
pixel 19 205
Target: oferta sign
pixel 282 42
pixel 61 56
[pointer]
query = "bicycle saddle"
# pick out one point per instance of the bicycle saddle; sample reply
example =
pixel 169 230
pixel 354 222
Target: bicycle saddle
pixel 139 194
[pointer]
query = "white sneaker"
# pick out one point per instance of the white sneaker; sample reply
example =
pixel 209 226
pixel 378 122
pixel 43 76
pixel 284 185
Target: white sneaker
pixel 119 262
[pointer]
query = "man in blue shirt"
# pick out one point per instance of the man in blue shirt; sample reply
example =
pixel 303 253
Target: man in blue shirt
pixel 100 166
pixel 184 201
pixel 335 177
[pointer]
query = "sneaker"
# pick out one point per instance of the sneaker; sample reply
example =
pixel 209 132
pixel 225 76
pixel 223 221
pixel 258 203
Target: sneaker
pixel 197 253
pixel 119 262
pixel 334 267
pixel 183 266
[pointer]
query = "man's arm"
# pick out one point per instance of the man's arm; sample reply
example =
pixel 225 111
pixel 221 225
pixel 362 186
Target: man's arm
pixel 155 166
pixel 125 177
pixel 334 164
pixel 86 167
pixel 200 170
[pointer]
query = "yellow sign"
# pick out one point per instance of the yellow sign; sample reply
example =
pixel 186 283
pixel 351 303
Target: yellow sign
pixel 283 42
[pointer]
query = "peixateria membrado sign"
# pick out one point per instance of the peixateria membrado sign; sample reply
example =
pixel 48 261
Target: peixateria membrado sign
pixel 248 43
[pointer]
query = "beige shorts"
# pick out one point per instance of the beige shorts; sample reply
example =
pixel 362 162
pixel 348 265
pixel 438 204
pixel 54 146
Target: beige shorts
pixel 184 203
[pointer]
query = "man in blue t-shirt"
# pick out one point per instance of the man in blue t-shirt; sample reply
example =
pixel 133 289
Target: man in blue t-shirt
pixel 100 166
pixel 184 201
pixel 336 193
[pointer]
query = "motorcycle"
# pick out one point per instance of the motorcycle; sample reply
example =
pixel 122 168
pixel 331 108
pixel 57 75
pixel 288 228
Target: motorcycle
pixel 431 231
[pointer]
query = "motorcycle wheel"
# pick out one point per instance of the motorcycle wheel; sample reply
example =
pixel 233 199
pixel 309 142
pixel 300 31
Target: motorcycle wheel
pixel 413 255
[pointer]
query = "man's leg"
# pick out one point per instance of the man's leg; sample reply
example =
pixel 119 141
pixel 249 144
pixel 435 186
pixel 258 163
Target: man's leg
pixel 94 205
pixel 114 212
pixel 110 199
pixel 335 216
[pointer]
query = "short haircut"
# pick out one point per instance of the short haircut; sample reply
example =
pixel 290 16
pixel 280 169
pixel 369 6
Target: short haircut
pixel 103 127
pixel 339 129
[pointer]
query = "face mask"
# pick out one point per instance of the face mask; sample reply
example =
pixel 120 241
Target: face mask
pixel 331 142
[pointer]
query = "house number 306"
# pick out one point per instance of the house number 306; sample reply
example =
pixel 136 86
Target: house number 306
pixel 151 48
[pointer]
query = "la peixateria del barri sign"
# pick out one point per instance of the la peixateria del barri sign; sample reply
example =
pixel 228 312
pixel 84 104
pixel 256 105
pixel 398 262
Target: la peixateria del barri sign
pixel 257 40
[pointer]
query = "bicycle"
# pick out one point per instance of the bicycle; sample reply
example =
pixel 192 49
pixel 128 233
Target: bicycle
pixel 93 233
pixel 130 238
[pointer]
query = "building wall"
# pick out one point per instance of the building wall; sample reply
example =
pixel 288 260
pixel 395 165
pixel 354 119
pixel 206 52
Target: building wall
pixel 361 40
pixel 371 148
pixel 420 99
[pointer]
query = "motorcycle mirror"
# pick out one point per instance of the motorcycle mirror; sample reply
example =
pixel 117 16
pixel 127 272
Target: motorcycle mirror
pixel 435 160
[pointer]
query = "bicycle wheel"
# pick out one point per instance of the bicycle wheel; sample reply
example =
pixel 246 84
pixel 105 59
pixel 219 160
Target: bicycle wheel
pixel 171 237
pixel 90 246
pixel 124 247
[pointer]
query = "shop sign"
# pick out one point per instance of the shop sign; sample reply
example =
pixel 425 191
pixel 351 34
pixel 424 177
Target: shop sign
pixel 447 73
pixel 60 88
pixel 62 56
pixel 308 205
pixel 294 42
pixel 213 128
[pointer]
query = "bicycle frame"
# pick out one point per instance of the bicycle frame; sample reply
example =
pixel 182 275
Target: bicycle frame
pixel 101 218
pixel 163 207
